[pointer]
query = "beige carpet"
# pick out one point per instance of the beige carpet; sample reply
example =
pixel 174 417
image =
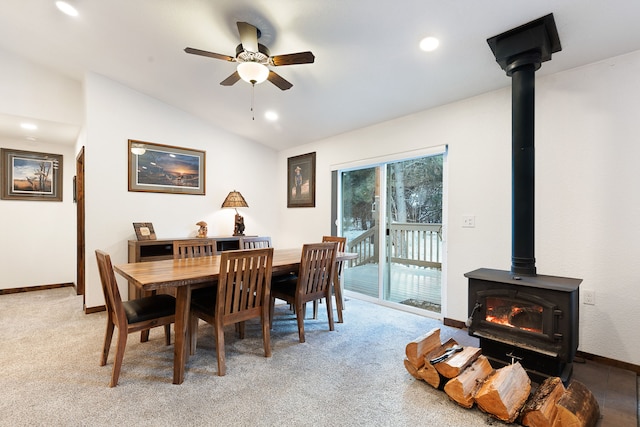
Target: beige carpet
pixel 351 377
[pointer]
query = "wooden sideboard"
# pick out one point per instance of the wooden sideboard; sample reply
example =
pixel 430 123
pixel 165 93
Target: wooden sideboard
pixel 154 250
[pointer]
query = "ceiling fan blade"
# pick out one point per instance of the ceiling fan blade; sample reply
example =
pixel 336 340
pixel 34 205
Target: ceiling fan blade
pixel 248 36
pixel 279 81
pixel 293 58
pixel 231 80
pixel 209 54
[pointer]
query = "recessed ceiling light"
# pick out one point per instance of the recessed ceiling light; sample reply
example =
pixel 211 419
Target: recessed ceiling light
pixel 429 44
pixel 28 126
pixel 66 8
pixel 272 116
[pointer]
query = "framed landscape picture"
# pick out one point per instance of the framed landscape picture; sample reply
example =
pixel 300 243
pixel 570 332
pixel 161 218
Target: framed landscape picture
pixel 301 181
pixel 165 169
pixel 28 175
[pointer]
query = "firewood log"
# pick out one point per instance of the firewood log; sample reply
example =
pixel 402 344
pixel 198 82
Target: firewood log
pixel 504 393
pixel 457 362
pixel 462 388
pixel 428 372
pixel 577 407
pixel 540 410
pixel 417 348
pixel 411 369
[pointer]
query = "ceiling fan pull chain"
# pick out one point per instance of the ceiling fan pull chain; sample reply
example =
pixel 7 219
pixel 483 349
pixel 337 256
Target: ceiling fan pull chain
pixel 253 88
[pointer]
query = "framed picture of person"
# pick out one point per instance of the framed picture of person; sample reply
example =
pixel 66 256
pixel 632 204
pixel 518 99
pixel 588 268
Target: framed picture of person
pixel 301 181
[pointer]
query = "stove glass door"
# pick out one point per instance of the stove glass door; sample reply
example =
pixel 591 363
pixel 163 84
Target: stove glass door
pixel 518 314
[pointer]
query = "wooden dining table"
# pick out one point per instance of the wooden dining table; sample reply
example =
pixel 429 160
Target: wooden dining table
pixel 183 275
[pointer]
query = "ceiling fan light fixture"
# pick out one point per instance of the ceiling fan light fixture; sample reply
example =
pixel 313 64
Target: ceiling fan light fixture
pixel 253 72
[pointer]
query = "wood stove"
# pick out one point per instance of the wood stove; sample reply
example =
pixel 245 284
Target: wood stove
pixel 530 319
pixel 518 314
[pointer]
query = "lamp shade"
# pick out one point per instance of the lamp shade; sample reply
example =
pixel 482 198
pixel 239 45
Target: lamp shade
pixel 253 72
pixel 234 200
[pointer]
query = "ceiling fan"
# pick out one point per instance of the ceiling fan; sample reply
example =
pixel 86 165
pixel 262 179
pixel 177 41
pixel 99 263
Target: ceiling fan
pixel 253 59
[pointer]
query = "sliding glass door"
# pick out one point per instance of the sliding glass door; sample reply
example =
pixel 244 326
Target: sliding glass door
pixel 413 250
pixel 391 214
pixel 360 224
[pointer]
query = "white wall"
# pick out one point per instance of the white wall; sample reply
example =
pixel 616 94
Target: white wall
pixel 587 203
pixel 29 90
pixel 39 237
pixel 114 114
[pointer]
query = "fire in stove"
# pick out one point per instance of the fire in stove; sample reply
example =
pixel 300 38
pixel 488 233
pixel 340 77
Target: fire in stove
pixel 514 314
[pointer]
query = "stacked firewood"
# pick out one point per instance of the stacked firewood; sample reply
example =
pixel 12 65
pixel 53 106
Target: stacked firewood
pixel 467 377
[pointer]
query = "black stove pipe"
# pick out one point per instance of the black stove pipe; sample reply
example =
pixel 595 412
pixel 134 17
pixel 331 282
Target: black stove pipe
pixel 522 74
pixel 520 52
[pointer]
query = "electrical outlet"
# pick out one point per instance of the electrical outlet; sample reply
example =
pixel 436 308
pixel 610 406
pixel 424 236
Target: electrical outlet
pixel 589 297
pixel 468 221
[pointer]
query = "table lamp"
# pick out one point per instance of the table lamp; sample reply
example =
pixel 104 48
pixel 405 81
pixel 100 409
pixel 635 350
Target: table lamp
pixel 235 200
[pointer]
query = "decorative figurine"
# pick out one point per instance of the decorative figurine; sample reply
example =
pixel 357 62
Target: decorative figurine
pixel 202 231
pixel 238 230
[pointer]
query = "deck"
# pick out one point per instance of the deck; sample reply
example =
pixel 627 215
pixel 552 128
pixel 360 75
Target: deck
pixel 419 287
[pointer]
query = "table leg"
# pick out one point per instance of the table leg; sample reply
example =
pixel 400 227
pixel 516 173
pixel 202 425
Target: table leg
pixel 139 293
pixel 183 301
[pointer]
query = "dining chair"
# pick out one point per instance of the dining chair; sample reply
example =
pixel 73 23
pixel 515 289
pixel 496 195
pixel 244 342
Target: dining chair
pixel 193 248
pixel 313 282
pixel 244 286
pixel 255 242
pixel 337 278
pixel 130 316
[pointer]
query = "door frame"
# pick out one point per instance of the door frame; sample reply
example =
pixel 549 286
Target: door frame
pixel 80 224
pixel 381 162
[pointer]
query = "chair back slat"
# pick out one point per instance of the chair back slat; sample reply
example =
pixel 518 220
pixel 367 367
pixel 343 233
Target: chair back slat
pixel 244 284
pixel 255 242
pixel 193 248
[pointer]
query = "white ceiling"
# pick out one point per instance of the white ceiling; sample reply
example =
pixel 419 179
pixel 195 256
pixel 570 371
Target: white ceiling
pixel 368 66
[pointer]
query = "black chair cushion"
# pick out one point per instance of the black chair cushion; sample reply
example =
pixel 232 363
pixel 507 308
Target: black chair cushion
pixel 147 308
pixel 204 299
pixel 285 278
pixel 284 284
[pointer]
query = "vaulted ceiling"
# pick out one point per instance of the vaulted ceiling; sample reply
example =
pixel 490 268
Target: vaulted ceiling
pixel 368 67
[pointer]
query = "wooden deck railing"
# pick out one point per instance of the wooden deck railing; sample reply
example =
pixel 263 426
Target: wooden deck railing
pixel 416 244
pixel 411 244
pixel 365 245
